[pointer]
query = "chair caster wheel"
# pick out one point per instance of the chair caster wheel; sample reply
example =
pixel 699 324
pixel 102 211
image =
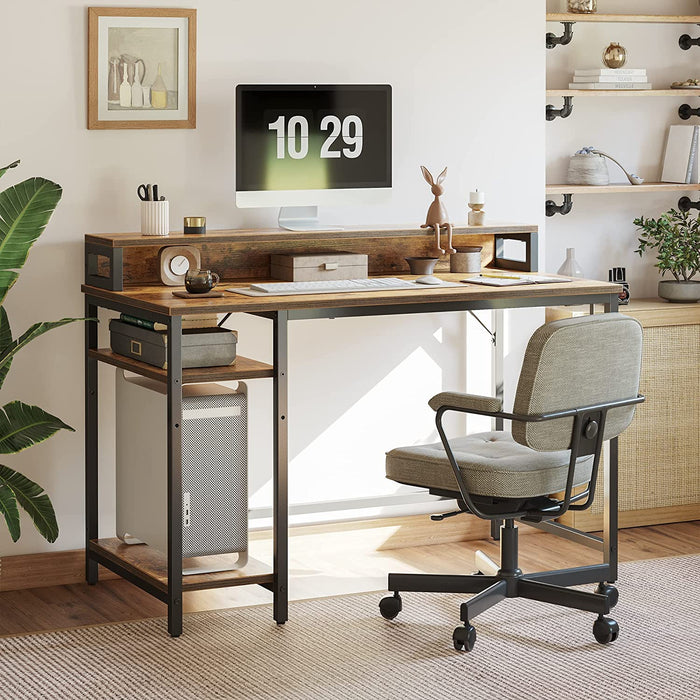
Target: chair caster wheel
pixel 390 606
pixel 464 637
pixel 610 591
pixel 605 630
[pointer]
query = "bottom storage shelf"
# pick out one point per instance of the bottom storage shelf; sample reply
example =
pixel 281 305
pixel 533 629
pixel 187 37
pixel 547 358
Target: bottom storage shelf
pixel 150 566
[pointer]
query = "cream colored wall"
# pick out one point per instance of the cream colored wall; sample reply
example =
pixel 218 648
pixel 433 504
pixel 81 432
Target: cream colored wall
pixel 467 87
pixel 632 130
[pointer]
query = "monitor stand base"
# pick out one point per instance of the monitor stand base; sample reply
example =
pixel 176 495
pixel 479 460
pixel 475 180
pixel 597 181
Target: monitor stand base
pixel 302 219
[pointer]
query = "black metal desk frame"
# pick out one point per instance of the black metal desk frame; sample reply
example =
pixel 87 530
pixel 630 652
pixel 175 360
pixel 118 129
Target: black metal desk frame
pixel 280 320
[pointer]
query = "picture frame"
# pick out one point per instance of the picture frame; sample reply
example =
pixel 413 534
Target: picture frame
pixel 142 68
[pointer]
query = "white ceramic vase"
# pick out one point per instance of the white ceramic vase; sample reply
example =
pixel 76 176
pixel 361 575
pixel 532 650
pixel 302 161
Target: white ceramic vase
pixel 570 266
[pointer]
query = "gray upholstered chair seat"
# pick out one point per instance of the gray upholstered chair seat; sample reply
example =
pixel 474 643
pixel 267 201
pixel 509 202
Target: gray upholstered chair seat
pixel 492 463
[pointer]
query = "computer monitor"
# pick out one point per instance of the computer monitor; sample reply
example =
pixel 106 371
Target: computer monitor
pixel 300 146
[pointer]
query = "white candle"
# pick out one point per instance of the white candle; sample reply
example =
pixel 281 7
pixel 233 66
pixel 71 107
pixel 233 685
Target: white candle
pixel 477 197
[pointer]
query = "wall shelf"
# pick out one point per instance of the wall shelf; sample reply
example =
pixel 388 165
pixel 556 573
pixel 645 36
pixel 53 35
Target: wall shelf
pixel 622 187
pixel 681 92
pixel 642 19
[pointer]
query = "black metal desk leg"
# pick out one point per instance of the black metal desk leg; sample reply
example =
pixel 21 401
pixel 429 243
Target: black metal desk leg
pixel 279 470
pixel 91 425
pixel 175 476
pixel 610 508
pixel 610 514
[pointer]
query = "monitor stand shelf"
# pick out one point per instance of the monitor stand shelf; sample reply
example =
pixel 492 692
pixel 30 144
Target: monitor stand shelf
pixel 117 260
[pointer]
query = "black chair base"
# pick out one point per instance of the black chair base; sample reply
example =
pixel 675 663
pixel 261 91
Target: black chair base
pixel 509 581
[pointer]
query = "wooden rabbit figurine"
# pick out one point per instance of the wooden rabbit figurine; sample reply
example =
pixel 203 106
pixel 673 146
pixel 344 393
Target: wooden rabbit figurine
pixel 437 217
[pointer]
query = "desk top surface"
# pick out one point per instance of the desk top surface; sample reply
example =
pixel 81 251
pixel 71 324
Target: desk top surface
pixel 159 299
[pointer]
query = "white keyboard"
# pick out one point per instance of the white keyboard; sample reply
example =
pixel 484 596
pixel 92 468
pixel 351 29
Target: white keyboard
pixel 377 284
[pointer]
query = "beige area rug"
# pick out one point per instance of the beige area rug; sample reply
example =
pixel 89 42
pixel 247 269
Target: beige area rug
pixel 340 648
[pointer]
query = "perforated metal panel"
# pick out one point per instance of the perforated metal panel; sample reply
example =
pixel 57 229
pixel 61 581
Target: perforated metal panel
pixel 215 474
pixel 214 467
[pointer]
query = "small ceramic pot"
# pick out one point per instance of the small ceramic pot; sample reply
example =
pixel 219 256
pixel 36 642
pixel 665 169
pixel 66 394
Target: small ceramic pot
pixel 587 169
pixel 422 266
pixel 466 259
pixel 680 292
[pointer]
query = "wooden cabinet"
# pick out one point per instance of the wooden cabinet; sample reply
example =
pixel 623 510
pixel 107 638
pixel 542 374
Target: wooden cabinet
pixel 659 454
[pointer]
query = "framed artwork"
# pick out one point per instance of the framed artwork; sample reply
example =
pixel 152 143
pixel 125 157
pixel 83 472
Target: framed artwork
pixel 142 68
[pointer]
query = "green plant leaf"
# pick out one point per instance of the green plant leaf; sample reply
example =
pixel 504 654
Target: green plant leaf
pixel 33 500
pixel 22 426
pixel 7 167
pixel 32 332
pixel 25 209
pixel 8 507
pixel 5 340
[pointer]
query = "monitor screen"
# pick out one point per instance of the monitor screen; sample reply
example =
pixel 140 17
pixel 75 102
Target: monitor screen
pixel 296 143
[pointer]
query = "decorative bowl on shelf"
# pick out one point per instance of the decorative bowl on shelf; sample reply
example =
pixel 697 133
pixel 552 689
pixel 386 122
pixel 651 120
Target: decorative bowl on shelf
pixel 422 266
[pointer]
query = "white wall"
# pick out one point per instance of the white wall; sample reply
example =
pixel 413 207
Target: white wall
pixel 361 385
pixel 632 130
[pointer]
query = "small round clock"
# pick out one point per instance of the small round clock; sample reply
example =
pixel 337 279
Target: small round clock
pixel 176 261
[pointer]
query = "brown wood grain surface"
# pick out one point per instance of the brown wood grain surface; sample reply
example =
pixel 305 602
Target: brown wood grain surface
pixel 149 563
pixel 243 368
pixel 159 299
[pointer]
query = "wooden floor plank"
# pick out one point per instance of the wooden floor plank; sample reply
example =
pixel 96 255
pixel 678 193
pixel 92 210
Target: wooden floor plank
pixel 318 567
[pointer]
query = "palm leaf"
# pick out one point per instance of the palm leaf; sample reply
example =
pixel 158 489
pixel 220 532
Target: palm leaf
pixel 32 498
pixel 5 340
pixel 32 332
pixel 25 209
pixel 22 426
pixel 8 507
pixel 7 167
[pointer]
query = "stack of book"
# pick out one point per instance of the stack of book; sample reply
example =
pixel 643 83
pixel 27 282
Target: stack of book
pixel 201 321
pixel 610 79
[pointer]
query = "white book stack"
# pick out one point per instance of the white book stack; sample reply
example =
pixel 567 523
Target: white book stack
pixel 610 79
pixel 681 155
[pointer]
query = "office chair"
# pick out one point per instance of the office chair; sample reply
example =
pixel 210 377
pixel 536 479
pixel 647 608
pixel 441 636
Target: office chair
pixel 577 387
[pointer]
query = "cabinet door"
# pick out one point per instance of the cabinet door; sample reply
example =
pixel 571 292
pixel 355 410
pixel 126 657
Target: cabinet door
pixel 659 454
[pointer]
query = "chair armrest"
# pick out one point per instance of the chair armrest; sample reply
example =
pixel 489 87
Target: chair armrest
pixel 466 402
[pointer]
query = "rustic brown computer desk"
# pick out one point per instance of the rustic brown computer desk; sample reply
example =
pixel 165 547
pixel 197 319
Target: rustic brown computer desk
pixel 122 276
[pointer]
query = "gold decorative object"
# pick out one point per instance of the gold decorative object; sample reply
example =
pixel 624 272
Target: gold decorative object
pixel 615 56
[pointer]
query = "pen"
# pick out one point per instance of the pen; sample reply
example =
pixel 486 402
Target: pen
pixel 502 277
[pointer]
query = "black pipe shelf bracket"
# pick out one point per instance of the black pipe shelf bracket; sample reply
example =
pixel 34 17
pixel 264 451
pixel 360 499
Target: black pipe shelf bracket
pixel 685 204
pixel 552 41
pixel 686 112
pixel 550 208
pixel 551 113
pixel 686 42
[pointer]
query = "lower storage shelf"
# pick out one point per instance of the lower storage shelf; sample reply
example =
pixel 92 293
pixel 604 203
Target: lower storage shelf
pixel 150 566
pixel 243 368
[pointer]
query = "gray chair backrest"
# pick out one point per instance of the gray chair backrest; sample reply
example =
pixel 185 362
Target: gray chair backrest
pixel 577 362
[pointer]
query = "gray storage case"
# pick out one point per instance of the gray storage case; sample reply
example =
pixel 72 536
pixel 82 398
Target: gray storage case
pixel 201 347
pixel 310 267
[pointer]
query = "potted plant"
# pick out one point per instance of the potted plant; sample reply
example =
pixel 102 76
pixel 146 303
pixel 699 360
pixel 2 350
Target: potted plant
pixel 676 237
pixel 25 209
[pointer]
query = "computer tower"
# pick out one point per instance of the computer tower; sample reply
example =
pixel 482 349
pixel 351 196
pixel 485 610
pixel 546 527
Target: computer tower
pixel 214 467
